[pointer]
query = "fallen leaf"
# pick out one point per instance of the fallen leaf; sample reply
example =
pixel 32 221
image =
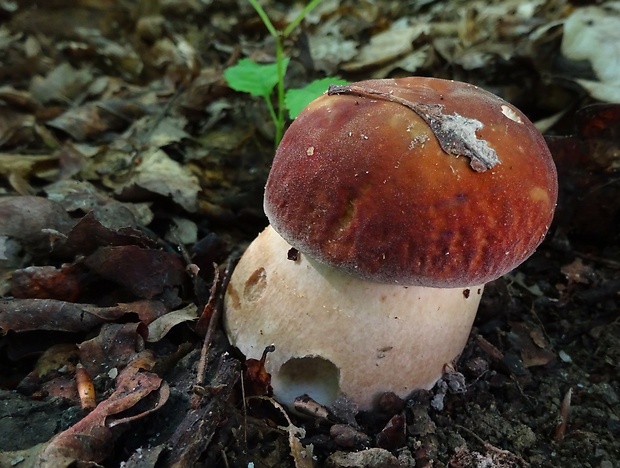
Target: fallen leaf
pixel 22 315
pixel 113 348
pixel 89 233
pixel 143 272
pixel 94 119
pixel 386 46
pixel 258 380
pixel 527 340
pixel 62 84
pixel 48 282
pixel 158 173
pixel 161 326
pixel 577 272
pixel 35 222
pixel 91 438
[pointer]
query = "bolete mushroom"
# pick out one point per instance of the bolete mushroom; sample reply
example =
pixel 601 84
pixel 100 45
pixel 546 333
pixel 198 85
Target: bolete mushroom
pixel 391 202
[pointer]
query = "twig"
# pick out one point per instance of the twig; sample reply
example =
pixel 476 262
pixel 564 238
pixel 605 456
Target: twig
pixel 206 344
pixel 492 448
pixel 560 429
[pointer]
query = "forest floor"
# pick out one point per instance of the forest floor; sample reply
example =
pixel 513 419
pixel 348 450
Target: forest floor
pixel 131 180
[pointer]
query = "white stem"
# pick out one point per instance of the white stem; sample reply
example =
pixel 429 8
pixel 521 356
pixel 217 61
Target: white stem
pixel 334 333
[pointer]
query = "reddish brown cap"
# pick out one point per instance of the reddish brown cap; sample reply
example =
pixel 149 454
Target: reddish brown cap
pixel 415 181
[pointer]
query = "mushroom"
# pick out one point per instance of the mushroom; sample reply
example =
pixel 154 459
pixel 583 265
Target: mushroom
pixel 392 203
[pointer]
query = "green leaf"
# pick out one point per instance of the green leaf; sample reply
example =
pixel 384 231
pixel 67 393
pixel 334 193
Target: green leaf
pixel 297 99
pixel 253 78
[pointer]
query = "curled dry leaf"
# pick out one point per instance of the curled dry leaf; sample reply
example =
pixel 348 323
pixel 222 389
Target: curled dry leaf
pixel 393 435
pixel 115 346
pixel 577 272
pixel 90 233
pixel 56 363
pixel 23 315
pixel 386 46
pixel 90 439
pixel 258 380
pixel 530 343
pixel 593 33
pixel 162 325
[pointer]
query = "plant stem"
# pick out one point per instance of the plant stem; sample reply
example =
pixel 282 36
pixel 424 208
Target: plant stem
pixel 274 117
pixel 280 62
pixel 299 18
pixel 263 16
pixel 279 36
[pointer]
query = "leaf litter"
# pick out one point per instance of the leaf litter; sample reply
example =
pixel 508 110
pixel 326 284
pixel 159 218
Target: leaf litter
pixel 131 177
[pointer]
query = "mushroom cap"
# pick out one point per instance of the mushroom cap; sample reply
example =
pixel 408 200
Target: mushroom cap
pixel 415 181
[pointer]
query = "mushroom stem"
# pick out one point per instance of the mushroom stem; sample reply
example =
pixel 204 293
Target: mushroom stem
pixel 334 333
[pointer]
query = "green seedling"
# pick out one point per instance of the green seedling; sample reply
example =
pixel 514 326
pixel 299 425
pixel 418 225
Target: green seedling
pixel 260 80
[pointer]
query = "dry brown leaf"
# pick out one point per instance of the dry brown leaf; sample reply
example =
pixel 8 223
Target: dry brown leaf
pixel 91 438
pixel 161 326
pixel 158 173
pixel 577 272
pixel 302 455
pixel 53 369
pixel 62 85
pixel 522 336
pixel 22 315
pixel 94 119
pixel 387 46
pixel 48 282
pixel 257 379
pixel 34 221
pixel 113 348
pixel 89 233
pixel 143 272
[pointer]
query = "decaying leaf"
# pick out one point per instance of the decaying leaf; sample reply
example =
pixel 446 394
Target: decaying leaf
pixel 302 455
pixel 22 315
pixel 48 282
pixel 159 327
pixel 61 85
pixel 592 33
pixel 258 380
pixel 531 344
pixel 34 221
pixel 160 174
pixel 97 118
pixel 387 46
pixel 115 346
pixel 90 439
pixel 144 272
